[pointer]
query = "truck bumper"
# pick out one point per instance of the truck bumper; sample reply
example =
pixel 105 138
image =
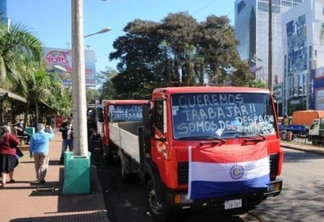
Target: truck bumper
pixel 248 200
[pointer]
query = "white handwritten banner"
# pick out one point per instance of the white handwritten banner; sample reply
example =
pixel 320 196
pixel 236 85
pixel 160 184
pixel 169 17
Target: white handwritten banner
pixel 215 114
pixel 126 113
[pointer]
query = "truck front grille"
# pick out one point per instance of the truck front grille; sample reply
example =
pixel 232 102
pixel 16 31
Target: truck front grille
pixel 183 169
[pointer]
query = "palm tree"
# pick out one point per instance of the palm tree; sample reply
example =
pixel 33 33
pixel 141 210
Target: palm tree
pixel 16 45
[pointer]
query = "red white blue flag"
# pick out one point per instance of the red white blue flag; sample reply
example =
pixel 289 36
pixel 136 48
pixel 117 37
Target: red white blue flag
pixel 228 170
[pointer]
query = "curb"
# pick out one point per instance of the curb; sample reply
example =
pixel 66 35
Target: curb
pixel 321 152
pixel 105 217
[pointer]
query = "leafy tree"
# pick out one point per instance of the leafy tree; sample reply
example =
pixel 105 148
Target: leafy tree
pixel 241 75
pixel 258 84
pixel 177 51
pixel 218 47
pixel 135 51
pixel 92 95
pixel 107 90
pixel 22 71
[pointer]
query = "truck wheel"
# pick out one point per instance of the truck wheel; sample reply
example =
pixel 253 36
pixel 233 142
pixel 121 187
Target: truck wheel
pixel 158 211
pixel 109 159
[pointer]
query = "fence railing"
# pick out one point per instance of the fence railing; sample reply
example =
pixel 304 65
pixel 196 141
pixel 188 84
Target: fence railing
pixel 303 139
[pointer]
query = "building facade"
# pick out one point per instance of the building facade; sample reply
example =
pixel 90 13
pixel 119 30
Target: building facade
pixel 3 11
pixel 251 30
pixel 304 56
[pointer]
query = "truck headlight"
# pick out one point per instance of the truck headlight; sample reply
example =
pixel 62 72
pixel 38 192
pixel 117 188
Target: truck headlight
pixel 181 199
pixel 274 187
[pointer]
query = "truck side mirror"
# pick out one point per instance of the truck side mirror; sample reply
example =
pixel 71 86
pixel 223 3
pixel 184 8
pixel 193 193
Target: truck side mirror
pixel 100 114
pixel 147 113
pixel 148 118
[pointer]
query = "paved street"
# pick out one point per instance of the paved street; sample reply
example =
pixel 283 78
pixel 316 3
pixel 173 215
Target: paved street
pixel 301 199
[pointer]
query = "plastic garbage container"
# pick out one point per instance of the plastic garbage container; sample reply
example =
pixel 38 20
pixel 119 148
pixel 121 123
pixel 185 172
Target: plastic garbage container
pixel 30 130
pixel 283 135
pixel 289 136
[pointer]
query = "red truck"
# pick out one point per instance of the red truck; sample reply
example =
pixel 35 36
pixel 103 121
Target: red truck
pixel 116 112
pixel 202 148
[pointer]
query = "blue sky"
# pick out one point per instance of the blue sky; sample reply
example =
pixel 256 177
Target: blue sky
pixel 50 20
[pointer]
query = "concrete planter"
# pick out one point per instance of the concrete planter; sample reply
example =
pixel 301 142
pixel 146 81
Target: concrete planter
pixel 77 174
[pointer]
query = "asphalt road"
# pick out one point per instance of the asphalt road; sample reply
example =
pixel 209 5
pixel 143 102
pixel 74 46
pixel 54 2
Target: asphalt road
pixel 301 199
pixel 126 203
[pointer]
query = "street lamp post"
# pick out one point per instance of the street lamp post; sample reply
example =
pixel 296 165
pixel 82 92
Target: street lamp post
pixel 104 30
pixel 78 81
pixel 78 165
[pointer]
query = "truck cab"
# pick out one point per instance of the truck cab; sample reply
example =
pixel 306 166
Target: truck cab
pixel 196 141
pixel 316 132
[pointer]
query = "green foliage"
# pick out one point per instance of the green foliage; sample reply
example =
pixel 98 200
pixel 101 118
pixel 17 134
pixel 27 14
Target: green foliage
pixel 178 51
pixel 258 84
pixel 16 45
pixel 22 70
pixel 107 90
pixel 92 94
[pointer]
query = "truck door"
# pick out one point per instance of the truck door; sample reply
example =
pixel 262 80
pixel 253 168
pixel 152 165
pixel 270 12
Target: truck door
pixel 159 142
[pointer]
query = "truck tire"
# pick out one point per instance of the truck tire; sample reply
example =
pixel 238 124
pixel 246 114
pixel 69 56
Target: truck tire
pixel 158 211
pixel 108 157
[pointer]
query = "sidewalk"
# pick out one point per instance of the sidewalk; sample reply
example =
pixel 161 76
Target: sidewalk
pixel 302 147
pixel 26 200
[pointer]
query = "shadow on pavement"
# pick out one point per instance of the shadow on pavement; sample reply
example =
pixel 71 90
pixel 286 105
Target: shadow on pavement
pixel 298 156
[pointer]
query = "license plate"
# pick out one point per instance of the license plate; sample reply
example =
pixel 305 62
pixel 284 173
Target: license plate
pixel 231 204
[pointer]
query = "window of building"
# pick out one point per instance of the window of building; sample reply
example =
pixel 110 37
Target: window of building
pixel 240 6
pixel 263 7
pixel 276 9
pixel 310 52
pixel 286 3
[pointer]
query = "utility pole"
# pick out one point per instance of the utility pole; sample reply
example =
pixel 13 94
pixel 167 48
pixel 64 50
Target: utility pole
pixel 77 166
pixel 78 81
pixel 270 48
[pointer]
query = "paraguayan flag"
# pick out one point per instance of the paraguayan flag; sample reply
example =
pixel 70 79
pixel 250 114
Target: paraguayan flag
pixel 228 170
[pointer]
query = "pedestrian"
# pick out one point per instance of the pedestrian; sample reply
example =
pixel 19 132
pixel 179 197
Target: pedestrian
pixel 67 136
pixel 39 149
pixel 92 132
pixel 8 160
pixel 53 123
pixel 20 130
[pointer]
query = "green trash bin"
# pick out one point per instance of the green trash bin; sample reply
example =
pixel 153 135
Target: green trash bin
pixel 30 130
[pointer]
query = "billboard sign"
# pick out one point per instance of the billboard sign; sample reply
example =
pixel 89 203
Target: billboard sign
pixel 55 57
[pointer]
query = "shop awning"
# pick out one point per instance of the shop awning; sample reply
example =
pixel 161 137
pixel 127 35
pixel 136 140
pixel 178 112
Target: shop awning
pixel 6 93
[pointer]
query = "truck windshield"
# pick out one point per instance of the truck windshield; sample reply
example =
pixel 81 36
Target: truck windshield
pixel 225 115
pixel 125 113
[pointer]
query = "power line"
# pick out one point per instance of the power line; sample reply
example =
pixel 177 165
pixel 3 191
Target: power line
pixel 204 7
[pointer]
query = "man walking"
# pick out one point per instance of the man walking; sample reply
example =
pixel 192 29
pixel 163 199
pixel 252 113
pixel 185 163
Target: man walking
pixel 67 136
pixel 39 149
